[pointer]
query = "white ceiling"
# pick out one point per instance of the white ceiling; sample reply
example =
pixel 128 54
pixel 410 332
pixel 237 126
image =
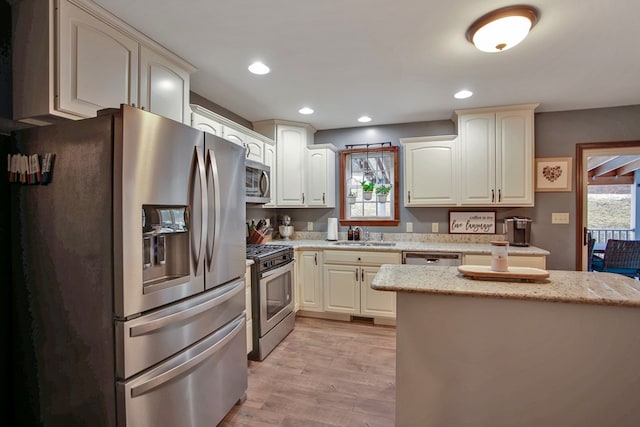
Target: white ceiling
pixel 394 60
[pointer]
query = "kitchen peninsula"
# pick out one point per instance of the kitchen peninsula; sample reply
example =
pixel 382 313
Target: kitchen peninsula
pixel 563 351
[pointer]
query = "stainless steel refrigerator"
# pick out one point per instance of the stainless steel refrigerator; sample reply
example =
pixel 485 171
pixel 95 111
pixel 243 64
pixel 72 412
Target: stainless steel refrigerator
pixel 128 274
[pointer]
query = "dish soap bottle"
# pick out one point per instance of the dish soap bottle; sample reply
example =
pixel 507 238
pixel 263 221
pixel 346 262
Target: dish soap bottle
pixel 350 233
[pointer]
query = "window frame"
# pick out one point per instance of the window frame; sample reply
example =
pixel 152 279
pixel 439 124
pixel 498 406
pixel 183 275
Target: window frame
pixel 395 220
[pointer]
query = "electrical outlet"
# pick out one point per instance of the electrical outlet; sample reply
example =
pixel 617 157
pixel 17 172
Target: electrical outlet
pixel 560 218
pixel 409 227
pixel 434 227
pixel 309 226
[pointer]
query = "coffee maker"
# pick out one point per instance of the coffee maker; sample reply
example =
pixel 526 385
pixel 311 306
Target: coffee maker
pixel 518 230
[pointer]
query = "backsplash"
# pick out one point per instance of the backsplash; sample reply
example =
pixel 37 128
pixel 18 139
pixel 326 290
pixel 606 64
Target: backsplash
pixel 408 237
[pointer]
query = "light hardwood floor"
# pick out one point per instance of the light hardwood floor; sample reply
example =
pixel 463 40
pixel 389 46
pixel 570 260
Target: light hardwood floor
pixel 325 373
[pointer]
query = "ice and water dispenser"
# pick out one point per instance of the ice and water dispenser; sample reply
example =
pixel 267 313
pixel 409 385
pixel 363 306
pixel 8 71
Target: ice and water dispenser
pixel 165 237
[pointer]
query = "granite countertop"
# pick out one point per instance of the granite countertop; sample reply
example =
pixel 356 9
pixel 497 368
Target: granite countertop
pixel 562 286
pixel 399 246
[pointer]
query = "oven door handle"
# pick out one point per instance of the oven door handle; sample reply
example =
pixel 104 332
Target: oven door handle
pixel 278 270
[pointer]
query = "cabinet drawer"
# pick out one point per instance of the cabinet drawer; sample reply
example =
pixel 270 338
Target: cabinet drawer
pixel 361 257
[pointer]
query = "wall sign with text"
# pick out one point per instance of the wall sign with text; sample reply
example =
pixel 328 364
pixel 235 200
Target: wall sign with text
pixel 472 222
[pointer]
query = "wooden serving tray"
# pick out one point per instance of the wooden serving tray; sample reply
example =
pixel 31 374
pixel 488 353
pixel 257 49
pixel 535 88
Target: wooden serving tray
pixel 519 273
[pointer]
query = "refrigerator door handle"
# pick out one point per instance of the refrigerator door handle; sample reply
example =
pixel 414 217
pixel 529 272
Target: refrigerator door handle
pixel 227 292
pixel 187 366
pixel 213 232
pixel 198 238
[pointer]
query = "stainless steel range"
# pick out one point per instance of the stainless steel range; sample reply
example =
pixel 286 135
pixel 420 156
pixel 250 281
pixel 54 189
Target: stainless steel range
pixel 271 296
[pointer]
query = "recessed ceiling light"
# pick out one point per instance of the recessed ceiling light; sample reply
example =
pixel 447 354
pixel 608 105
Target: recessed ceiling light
pixel 305 110
pixel 364 119
pixel 258 68
pixel 463 94
pixel 503 28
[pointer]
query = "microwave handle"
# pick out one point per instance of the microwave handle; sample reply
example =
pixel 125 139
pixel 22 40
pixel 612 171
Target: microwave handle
pixel 264 183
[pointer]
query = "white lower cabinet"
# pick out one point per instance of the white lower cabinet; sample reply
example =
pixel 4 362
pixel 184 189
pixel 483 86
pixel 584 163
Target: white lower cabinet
pixel 309 281
pixel 347 283
pixel 248 311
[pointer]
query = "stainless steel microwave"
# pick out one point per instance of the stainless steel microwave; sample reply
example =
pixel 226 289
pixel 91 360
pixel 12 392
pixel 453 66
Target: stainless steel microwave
pixel 257 182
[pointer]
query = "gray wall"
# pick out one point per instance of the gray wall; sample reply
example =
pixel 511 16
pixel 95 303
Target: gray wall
pixel 556 135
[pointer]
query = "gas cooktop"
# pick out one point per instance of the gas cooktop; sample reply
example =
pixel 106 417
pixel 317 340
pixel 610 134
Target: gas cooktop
pixel 255 251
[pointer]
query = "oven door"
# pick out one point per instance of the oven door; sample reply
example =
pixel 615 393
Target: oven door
pixel 276 296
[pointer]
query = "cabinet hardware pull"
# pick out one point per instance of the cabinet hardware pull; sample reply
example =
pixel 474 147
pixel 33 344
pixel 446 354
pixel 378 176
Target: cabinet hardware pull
pixel 303 198
pixel 409 196
pixel 315 259
pixel 493 196
pixel 499 195
pixel 356 274
pixel 362 274
pixel 323 202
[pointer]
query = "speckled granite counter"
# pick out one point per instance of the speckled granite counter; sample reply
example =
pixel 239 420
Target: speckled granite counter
pixel 493 353
pixel 562 286
pixel 399 246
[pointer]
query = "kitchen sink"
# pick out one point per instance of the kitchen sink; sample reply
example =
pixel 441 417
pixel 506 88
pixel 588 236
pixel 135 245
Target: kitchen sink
pixel 362 243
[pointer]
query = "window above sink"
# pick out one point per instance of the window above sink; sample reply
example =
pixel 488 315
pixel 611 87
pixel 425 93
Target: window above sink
pixel 368 192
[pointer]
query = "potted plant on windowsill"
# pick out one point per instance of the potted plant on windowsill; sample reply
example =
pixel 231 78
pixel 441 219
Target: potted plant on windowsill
pixel 351 197
pixel 382 191
pixel 367 189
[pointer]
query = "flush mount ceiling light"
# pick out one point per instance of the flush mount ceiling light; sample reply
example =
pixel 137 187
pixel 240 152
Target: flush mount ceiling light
pixel 258 68
pixel 463 94
pixel 305 110
pixel 364 119
pixel 503 28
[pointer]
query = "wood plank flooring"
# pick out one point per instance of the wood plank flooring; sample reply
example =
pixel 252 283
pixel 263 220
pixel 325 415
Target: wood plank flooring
pixel 325 373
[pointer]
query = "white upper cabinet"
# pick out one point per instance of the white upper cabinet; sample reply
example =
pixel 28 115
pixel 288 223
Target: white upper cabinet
pixel 431 171
pixel 74 58
pixel 257 147
pixel 89 82
pixel 304 173
pixel 321 174
pixel 164 86
pixel 496 156
pixel 206 124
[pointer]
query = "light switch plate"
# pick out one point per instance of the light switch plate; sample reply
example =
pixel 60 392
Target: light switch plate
pixel 309 226
pixel 560 218
pixel 409 227
pixel 434 227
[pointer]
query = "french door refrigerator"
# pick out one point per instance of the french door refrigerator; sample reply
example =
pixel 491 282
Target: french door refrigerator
pixel 128 291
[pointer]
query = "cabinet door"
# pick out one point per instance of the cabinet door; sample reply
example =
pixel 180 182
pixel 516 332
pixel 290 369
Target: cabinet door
pixel 478 159
pixel 255 149
pixel 431 173
pixel 98 65
pixel 291 151
pixel 164 87
pixel 317 178
pixel 235 136
pixel 206 124
pixel 342 288
pixel 310 280
pixel 270 160
pixel 514 157
pixel 373 302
